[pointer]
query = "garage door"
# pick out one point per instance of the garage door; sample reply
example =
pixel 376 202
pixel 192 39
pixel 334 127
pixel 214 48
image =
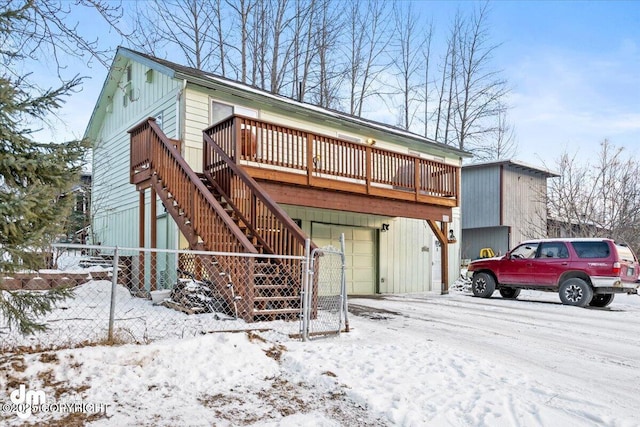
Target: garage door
pixel 360 252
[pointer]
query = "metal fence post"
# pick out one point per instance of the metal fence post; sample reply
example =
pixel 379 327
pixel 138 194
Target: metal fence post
pixel 114 284
pixel 343 285
pixel 305 290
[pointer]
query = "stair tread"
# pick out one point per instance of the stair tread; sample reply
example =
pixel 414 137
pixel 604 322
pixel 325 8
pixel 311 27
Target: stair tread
pixel 259 286
pixel 278 298
pixel 276 311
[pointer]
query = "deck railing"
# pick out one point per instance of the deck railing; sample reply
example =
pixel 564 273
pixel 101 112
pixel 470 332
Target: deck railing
pixel 153 153
pixel 274 227
pixel 353 166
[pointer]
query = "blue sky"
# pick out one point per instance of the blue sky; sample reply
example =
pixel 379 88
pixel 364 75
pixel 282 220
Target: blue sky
pixel 573 67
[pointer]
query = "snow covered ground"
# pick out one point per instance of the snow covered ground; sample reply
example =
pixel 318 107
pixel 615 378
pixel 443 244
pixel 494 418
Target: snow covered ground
pixel 418 360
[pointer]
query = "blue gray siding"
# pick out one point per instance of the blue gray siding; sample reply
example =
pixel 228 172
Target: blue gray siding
pixel 480 197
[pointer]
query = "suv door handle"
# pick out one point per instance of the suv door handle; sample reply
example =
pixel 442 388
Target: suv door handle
pixel 565 263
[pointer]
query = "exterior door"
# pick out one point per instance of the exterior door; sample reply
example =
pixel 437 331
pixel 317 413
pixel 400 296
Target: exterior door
pixel 436 264
pixel 360 254
pixel 550 262
pixel 516 269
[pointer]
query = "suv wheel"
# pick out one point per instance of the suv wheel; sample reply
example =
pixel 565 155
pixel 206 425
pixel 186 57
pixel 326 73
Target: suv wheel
pixel 576 292
pixel 601 300
pixel 483 285
pixel 509 293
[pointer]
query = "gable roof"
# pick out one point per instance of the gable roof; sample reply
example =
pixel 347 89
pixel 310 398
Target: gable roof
pixel 213 81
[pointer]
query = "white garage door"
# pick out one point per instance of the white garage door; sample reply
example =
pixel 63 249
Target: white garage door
pixel 360 252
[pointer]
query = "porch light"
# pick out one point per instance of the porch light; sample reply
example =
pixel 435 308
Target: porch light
pixel 452 237
pixel 385 227
pixel 371 141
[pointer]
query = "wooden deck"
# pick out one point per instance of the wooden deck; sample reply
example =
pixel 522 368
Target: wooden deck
pixel 342 175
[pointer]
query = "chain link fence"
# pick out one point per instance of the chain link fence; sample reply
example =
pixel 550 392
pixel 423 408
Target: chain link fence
pixel 140 295
pixel 327 298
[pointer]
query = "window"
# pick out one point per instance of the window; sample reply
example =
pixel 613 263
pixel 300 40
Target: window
pixel 220 111
pixel 553 250
pixel 591 249
pixel 525 251
pixel 625 253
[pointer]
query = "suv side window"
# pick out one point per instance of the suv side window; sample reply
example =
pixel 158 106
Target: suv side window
pixel 591 249
pixel 552 250
pixel 525 251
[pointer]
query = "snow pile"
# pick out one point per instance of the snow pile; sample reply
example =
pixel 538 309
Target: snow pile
pixel 85 319
pixel 409 361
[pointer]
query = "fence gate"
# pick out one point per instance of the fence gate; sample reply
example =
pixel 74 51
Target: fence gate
pixel 325 297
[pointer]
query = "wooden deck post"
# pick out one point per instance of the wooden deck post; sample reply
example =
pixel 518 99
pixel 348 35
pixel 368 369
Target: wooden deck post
pixel 141 225
pixel 367 167
pixel 237 140
pixel 310 158
pixel 154 242
pixel 416 177
pixel 441 234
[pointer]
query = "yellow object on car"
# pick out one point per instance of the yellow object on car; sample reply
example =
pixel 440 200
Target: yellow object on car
pixel 487 253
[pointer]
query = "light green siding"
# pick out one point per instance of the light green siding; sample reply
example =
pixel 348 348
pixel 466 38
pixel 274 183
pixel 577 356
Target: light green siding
pixel 403 252
pixel 197 120
pixel 114 199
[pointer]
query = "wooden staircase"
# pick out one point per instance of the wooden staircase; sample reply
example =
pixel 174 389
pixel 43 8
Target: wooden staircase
pixel 276 295
pixel 224 210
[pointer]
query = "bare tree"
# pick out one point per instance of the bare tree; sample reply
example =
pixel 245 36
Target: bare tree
pixel 325 91
pixel 407 62
pixel 597 199
pixel 427 79
pixel 302 45
pixel 243 10
pixel 195 28
pixel 480 89
pixel 49 30
pixel 258 43
pixel 368 38
pixel 453 76
pixel 449 72
pixel 280 59
pixel 502 145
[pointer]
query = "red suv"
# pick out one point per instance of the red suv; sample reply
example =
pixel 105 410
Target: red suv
pixel 583 271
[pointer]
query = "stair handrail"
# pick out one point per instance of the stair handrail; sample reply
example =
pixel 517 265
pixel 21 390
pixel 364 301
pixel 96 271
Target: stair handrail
pixel 279 213
pixel 195 181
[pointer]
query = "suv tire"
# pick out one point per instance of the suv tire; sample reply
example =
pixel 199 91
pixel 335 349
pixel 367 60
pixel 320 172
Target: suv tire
pixel 576 292
pixel 483 285
pixel 601 300
pixel 509 293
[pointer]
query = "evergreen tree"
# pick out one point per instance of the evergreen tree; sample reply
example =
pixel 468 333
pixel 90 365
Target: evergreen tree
pixel 34 176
